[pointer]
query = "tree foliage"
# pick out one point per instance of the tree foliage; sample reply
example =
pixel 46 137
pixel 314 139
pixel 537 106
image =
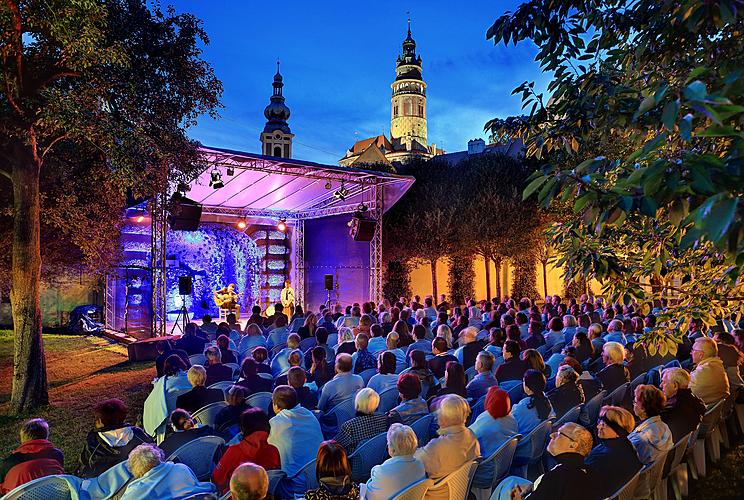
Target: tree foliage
pixel 397 281
pixel 95 100
pixel 658 86
pixel 461 278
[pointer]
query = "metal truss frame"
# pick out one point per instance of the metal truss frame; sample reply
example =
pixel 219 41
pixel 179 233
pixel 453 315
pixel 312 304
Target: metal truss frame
pixel 157 264
pixel 375 246
pixel 298 246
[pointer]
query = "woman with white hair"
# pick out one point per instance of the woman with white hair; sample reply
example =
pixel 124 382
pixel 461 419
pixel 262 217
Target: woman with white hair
pixel 155 479
pixel 567 393
pixel 346 343
pixel 366 424
pixel 398 471
pixel 569 328
pixel 455 446
pixel 614 374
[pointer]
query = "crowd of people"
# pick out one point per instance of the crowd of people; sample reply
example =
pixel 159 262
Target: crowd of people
pixel 488 371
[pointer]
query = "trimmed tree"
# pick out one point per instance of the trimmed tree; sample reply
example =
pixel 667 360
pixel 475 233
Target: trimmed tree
pixel 109 88
pixel 461 277
pixel 397 281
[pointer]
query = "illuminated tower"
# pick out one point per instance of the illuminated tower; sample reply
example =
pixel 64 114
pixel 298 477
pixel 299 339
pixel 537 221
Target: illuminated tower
pixel 408 118
pixel 276 138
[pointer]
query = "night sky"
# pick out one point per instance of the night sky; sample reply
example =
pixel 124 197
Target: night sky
pixel 338 61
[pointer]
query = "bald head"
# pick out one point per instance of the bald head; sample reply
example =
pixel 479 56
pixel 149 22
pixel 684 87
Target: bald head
pixel 249 482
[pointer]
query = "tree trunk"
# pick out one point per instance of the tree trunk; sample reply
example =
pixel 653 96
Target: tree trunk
pixel 434 279
pixel 488 277
pixel 545 277
pixel 497 272
pixel 29 367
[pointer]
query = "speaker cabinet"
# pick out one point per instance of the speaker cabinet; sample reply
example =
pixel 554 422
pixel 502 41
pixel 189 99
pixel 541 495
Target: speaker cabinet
pixel 362 229
pixel 328 280
pixel 184 285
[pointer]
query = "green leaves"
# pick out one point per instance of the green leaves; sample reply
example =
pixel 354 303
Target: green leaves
pixel 669 115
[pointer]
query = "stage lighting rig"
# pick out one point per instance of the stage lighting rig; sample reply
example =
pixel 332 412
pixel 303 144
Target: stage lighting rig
pixel 328 185
pixel 242 224
pixel 183 188
pixel 230 171
pixel 341 193
pixel 216 180
pixel 282 225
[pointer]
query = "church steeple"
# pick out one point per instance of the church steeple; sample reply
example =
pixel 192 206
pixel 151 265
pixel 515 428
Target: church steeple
pixel 276 139
pixel 408 118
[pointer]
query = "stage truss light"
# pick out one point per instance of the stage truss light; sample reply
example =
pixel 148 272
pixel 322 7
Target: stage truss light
pixel 282 225
pixel 341 193
pixel 242 224
pixel 230 171
pixel 141 218
pixel 216 180
pixel 328 185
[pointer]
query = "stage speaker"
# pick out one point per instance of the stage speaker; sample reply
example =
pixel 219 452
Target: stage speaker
pixel 184 285
pixel 328 281
pixel 362 229
pixel 184 214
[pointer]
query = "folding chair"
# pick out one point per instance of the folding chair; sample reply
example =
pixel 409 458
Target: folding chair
pixel 650 477
pixel 388 400
pixel 207 415
pixel 422 428
pixel 260 400
pixel 530 450
pixel 43 488
pixel 456 484
pixel 493 469
pixel 366 455
pixel 199 455
pixel 674 470
pixel 708 437
pixel 415 491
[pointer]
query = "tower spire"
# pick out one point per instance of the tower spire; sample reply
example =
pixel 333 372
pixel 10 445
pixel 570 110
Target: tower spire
pixel 409 23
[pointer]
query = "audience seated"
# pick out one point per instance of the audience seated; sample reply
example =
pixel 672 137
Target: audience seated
pixel 683 411
pixel 164 350
pixel 261 355
pixel 334 475
pixel 455 382
pixel 367 424
pixel 535 338
pixel 362 358
pixel 400 470
pixel 455 446
pixel 307 330
pixel 254 448
pixel 155 479
pixel 190 342
pixel 584 347
pixel 294 360
pixel 36 457
pixel 227 355
pixel 249 482
pixel 184 431
pixel 228 419
pixel 708 380
pixel 250 379
pixel 554 333
pixel 494 426
pixel 280 363
pixel 253 338
pixel 296 433
pixel 216 371
pixel 613 461
pixel 615 332
pixel 441 356
pixel 391 342
pixel 343 386
pixel 513 367
pixel 199 396
pixel 420 367
pixel 321 369
pixel 162 399
pixel 484 379
pixel 420 343
pixel 385 378
pixel 346 344
pixel 279 332
pixel 614 374
pixel 378 342
pixel 412 406
pixel 208 326
pixel 652 437
pixel 535 407
pixel 567 393
pixel 469 347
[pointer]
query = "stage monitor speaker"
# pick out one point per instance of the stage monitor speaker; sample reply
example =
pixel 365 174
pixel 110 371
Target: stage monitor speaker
pixel 184 285
pixel 184 214
pixel 328 281
pixel 362 229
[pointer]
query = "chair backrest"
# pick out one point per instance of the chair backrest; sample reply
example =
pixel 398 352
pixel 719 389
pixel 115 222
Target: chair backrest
pixel 617 396
pixel 478 408
pixel 516 393
pixel 592 407
pixel 366 455
pixel 500 461
pixel 235 368
pixel 332 339
pixel 367 374
pixel 343 411
pixel 307 343
pixel 197 359
pixel 260 400
pixel 296 324
pixel 532 446
pixel 470 373
pixel 455 485
pixel 571 415
pixel 267 376
pixel 224 386
pixel 710 419
pixel 43 488
pixel 627 491
pixel 309 475
pixel 207 415
pixel 275 475
pixel 276 349
pixel 650 477
pixel 415 491
pixel 640 379
pixel 198 455
pixel 422 429
pixel 543 349
pixel 388 400
pixel 557 347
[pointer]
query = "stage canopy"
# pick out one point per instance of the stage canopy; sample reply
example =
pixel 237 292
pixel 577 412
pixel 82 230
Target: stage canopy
pixel 267 186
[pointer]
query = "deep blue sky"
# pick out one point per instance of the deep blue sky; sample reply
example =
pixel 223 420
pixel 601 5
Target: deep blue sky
pixel 338 61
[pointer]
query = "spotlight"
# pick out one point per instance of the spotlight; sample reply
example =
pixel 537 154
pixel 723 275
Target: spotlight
pixel 216 181
pixel 282 226
pixel 361 208
pixel 183 187
pixel 341 193
pixel 140 218
pixel 230 171
pixel 241 224
pixel 328 185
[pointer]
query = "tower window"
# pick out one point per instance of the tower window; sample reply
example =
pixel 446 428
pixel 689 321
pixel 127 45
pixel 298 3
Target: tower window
pixel 395 110
pixel 277 151
pixel 421 110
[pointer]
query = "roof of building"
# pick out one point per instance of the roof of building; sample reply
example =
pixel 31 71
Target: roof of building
pixel 511 149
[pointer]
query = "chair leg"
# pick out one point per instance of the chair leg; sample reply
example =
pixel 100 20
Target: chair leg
pixel 713 444
pixel 679 481
pixel 723 430
pixel 698 458
pixel 740 417
pixel 480 493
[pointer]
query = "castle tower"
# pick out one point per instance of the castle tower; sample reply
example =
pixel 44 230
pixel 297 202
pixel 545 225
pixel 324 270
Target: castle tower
pixel 276 138
pixel 408 117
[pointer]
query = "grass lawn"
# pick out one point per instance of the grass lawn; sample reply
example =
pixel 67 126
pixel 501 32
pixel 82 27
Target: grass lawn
pixel 81 371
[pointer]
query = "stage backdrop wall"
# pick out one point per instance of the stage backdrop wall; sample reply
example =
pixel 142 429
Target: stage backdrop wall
pixel 330 250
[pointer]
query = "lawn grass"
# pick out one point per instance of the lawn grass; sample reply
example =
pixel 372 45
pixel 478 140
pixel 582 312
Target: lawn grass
pixel 81 372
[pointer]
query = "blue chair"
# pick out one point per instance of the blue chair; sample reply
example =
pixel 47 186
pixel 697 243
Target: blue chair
pixel 422 429
pixel 494 468
pixel 224 386
pixel 342 412
pixel 275 475
pixel 516 393
pixel 590 411
pixel 388 400
pixel 207 415
pixel 571 415
pixel 366 455
pixel 470 373
pixel 307 473
pixel 530 451
pixel 260 400
pixel 197 359
pixel 478 408
pixel 617 397
pixel 307 343
pixel 199 455
pixel 367 374
pixel 43 488
pixel 296 324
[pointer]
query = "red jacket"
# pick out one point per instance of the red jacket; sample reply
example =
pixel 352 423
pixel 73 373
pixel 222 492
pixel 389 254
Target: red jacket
pixel 32 460
pixel 253 448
